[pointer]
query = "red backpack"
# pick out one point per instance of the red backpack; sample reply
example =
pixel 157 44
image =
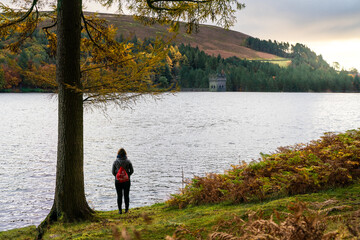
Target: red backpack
pixel 122 175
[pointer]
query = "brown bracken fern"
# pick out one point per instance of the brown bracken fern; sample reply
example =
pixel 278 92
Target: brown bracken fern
pixel 331 161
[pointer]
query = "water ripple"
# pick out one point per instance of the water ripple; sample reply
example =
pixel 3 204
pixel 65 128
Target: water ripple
pixel 190 132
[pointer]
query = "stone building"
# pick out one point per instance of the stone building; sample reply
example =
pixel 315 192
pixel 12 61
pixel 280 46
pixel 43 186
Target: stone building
pixel 217 83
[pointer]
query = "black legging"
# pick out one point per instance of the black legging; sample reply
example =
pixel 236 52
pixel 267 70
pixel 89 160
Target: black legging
pixel 119 189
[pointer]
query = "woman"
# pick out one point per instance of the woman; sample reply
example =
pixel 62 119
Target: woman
pixel 122 161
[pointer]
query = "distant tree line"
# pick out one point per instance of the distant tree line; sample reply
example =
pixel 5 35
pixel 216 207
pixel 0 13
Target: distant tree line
pixel 307 72
pixel 280 49
pixel 189 67
pixel 33 57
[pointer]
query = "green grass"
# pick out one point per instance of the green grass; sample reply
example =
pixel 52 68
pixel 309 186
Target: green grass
pixel 282 62
pixel 158 221
pixel 20 233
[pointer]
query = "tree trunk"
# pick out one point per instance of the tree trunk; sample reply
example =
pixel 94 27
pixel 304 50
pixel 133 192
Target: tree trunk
pixel 70 202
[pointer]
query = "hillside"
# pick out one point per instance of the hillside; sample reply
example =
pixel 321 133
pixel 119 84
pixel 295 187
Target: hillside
pixel 264 65
pixel 211 39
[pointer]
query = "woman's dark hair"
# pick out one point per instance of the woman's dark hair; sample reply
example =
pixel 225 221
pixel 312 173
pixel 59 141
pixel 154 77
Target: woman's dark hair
pixel 121 153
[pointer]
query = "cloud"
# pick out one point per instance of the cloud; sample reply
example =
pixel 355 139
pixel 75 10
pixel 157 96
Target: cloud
pixel 330 27
pixel 293 20
pixel 345 52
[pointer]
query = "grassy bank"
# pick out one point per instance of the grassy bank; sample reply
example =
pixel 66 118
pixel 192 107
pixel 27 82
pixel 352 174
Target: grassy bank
pixel 335 208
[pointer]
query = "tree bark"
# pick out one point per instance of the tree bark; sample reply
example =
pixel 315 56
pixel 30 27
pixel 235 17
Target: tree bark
pixel 70 202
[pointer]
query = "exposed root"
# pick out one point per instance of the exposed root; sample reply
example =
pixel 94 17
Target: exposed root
pixel 55 216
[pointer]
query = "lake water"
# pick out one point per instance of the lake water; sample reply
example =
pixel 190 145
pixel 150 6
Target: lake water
pixel 197 132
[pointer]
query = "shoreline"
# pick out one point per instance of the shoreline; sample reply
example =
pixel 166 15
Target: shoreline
pixel 158 221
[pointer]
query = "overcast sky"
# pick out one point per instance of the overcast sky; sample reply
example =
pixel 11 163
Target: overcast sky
pixel 329 27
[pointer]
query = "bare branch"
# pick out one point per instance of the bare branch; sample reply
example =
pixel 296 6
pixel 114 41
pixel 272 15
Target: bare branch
pixel 48 27
pixel 107 65
pixel 24 17
pixel 86 23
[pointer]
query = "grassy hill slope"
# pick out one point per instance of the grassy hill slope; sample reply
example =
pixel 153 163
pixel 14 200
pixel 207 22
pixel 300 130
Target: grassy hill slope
pixel 211 39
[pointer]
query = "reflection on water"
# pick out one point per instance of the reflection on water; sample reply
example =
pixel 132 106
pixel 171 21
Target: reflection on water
pixel 197 132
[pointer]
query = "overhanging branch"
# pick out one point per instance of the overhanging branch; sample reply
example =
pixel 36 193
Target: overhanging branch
pixel 24 17
pixel 86 24
pixel 107 65
pixel 51 26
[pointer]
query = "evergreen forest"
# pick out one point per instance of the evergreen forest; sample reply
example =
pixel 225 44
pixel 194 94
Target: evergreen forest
pixel 32 68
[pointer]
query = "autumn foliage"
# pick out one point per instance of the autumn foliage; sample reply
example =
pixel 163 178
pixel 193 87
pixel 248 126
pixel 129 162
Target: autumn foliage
pixel 331 161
